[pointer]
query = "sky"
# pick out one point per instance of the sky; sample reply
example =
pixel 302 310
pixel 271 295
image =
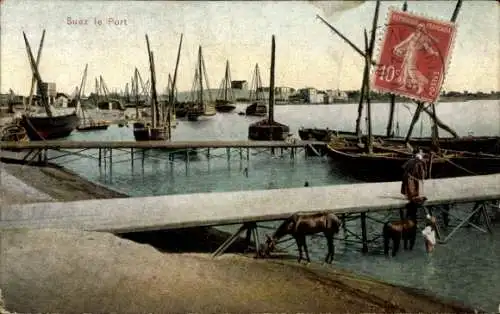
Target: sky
pixel 308 53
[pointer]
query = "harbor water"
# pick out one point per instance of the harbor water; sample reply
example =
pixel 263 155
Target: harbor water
pixel 466 269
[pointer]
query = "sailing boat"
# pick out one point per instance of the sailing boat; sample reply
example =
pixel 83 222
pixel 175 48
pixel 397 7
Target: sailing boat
pixel 87 123
pixel 224 103
pixel 200 108
pixel 47 125
pixel 258 107
pixel 159 128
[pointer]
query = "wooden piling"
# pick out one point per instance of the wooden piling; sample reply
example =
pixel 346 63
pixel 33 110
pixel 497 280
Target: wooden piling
pixel 364 236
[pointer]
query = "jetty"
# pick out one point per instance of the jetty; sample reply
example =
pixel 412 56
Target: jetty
pixel 247 208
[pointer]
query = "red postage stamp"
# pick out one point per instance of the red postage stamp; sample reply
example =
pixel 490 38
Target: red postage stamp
pixel 414 56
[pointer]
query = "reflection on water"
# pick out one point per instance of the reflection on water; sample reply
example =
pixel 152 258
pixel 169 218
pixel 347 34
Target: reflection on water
pixel 467 268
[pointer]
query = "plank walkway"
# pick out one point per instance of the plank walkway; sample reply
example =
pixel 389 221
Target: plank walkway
pixel 154 144
pixel 215 209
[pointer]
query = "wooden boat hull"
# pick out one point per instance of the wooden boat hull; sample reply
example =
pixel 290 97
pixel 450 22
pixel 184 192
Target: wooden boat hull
pixel 256 109
pixel 485 144
pixel 351 161
pixel 93 126
pixel 145 133
pixel 263 131
pixel 224 105
pixel 46 128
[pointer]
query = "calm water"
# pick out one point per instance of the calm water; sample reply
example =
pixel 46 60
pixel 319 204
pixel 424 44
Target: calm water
pixel 467 268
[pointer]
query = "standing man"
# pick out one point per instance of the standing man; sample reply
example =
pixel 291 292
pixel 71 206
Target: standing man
pixel 413 172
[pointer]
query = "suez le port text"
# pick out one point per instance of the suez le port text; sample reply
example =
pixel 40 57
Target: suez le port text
pixel 96 21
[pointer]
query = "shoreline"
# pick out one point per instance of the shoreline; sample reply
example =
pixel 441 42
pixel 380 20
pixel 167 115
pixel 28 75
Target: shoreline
pixel 339 290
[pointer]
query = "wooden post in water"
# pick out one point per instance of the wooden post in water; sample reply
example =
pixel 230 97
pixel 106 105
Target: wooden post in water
pixel 364 235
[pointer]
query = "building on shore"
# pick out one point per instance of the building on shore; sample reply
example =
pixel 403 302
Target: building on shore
pixel 242 85
pixel 50 90
pixel 333 96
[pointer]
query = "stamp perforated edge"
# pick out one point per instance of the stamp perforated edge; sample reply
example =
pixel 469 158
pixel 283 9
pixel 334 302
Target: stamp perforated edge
pixel 381 41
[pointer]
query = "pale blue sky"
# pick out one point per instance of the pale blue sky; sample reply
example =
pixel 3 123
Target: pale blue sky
pixel 308 53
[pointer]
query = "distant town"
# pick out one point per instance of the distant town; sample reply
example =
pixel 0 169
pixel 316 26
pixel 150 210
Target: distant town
pixel 242 93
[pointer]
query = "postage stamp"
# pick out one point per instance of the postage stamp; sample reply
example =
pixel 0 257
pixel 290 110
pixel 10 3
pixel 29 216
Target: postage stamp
pixel 413 56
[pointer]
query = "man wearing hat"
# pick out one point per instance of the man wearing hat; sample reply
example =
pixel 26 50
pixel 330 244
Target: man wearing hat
pixel 413 172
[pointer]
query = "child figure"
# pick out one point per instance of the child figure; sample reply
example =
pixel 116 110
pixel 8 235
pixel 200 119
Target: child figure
pixel 429 233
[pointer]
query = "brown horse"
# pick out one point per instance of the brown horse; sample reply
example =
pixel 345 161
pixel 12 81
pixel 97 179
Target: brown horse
pixel 300 225
pixel 405 229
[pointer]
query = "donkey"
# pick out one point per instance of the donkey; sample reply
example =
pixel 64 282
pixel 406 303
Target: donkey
pixel 300 225
pixel 405 229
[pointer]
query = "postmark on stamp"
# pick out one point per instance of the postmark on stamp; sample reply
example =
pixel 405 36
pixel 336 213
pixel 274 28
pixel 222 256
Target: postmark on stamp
pixel 413 56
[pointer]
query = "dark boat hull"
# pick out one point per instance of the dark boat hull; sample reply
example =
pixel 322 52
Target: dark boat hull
pixel 93 126
pixel 263 131
pixel 47 128
pixel 144 133
pixel 351 162
pixel 256 109
pixel 485 144
pixel 224 105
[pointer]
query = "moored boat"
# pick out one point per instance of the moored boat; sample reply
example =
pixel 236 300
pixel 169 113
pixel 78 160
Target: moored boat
pixel 484 144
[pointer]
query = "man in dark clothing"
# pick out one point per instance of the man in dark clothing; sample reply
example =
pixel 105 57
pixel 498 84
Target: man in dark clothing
pixel 413 172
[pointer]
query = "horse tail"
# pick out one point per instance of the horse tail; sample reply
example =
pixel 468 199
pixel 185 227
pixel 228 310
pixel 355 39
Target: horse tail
pixel 386 232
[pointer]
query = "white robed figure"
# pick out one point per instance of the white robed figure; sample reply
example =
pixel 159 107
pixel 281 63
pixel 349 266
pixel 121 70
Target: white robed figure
pixel 429 234
pixel 410 76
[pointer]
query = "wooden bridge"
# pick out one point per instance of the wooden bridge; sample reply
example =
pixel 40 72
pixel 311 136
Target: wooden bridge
pixel 249 207
pixel 104 151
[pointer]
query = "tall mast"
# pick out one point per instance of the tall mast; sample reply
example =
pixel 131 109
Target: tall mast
pixel 271 82
pixel 200 76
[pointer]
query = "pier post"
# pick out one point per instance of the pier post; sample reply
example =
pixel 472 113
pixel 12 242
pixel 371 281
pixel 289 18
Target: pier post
pixel 100 157
pixel 45 156
pixel 364 237
pixel 187 161
pixel 208 153
pixel 241 153
pixel 248 154
pixel 110 162
pixel 143 157
pixel 228 152
pixel 132 156
pixel 344 227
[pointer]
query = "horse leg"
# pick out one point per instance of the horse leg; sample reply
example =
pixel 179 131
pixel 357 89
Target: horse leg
pixel 413 236
pixel 329 242
pixel 405 240
pixel 305 248
pixel 395 242
pixel 299 246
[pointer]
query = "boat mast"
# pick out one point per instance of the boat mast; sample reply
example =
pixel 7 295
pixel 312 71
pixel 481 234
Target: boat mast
pixel 421 108
pixel 200 77
pixel 39 81
pixel 79 93
pixel 390 121
pixel 136 89
pixel 171 96
pixel 155 116
pixel 226 77
pixel 369 143
pixel 33 78
pixel 271 84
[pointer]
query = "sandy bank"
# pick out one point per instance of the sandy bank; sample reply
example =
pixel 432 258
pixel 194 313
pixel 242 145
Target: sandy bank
pixel 77 271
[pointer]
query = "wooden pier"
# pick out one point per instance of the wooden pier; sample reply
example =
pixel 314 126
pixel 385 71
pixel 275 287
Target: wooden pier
pixel 105 152
pixel 250 207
